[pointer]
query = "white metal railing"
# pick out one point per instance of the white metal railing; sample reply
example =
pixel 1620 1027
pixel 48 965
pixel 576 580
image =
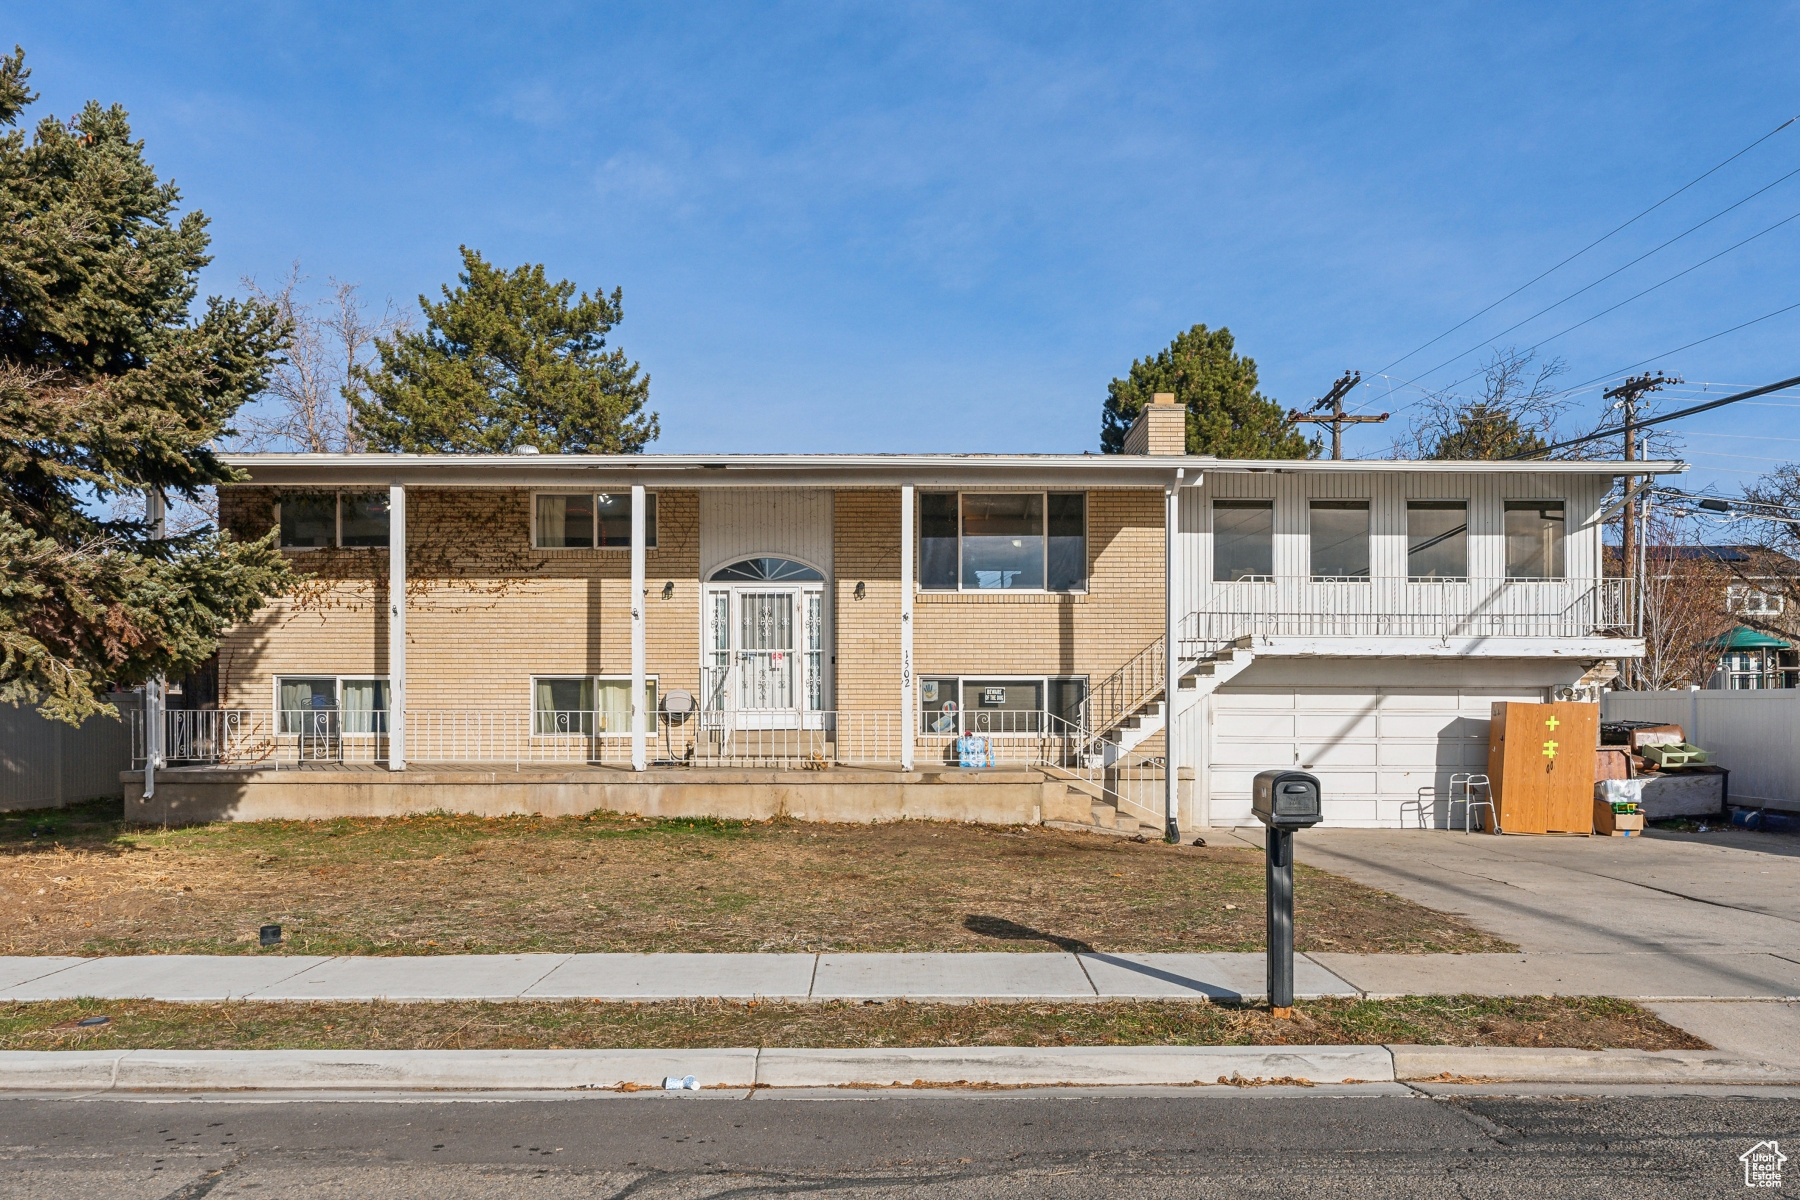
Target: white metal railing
pixel 244 737
pixel 1441 609
pixel 1126 690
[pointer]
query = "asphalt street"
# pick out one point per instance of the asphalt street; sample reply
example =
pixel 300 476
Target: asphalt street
pixel 936 1144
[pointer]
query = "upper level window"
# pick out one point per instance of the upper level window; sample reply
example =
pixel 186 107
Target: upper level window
pixel 1243 539
pixel 312 520
pixel 585 520
pixel 1008 541
pixel 1437 539
pixel 1534 539
pixel 1742 599
pixel 1340 540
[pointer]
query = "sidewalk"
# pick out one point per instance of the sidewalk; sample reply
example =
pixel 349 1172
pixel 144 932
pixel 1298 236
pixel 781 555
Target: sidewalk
pixel 963 977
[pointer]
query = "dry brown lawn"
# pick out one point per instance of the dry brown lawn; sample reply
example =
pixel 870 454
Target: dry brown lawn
pixel 1586 1023
pixel 79 881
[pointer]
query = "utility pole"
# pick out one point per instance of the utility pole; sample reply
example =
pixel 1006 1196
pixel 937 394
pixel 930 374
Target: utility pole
pixel 1334 400
pixel 1628 394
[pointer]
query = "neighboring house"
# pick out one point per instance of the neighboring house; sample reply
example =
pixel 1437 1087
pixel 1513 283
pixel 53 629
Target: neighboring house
pixel 1752 581
pixel 831 636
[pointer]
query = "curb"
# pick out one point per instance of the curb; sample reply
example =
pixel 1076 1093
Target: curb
pixel 745 1068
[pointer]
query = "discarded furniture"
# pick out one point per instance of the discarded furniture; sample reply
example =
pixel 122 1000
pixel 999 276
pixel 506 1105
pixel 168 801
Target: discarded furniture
pixel 1541 764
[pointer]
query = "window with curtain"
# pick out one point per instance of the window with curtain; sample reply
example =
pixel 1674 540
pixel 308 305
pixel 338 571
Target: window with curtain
pixel 1340 540
pixel 301 697
pixel 588 705
pixel 365 705
pixel 586 520
pixel 565 521
pixel 1437 539
pixel 1243 540
pixel 1534 539
pixel 564 705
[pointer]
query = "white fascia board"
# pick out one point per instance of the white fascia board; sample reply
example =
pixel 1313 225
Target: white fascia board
pixel 845 470
pixel 1461 647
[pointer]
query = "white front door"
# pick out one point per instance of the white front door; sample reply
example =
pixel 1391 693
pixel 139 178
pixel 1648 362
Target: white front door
pixel 765 655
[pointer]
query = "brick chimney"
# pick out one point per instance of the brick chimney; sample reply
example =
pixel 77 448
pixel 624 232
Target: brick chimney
pixel 1161 427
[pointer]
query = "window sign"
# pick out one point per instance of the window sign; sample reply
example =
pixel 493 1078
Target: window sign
pixel 952 705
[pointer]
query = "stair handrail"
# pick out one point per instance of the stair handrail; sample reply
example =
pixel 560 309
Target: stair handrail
pixel 1137 681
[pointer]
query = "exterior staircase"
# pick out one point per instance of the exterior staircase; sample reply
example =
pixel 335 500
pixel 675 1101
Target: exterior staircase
pixel 1127 709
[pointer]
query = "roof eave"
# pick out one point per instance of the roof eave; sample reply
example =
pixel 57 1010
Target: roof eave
pixel 848 470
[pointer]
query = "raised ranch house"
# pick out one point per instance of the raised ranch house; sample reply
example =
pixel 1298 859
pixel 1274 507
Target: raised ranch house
pixel 834 636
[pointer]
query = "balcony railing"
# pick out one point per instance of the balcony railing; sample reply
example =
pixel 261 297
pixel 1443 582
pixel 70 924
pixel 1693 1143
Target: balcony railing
pixel 815 740
pixel 1440 609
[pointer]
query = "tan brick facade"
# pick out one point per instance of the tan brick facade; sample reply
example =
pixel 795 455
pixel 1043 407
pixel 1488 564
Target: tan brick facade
pixel 486 611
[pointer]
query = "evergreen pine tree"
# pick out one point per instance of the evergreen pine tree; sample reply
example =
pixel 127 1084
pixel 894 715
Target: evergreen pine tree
pixel 507 359
pixel 1227 416
pixel 109 388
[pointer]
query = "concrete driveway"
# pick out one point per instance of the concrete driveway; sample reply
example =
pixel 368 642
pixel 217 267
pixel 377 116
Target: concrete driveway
pixel 1703 927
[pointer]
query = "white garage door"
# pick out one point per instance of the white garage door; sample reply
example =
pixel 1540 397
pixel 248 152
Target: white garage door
pixel 1372 748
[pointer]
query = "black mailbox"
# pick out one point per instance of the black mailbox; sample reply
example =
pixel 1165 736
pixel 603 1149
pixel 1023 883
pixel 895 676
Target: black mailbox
pixel 1287 800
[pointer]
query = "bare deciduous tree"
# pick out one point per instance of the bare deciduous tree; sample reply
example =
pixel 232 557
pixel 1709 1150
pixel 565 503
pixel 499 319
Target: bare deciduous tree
pixel 1773 568
pixel 306 405
pixel 1515 413
pixel 1685 607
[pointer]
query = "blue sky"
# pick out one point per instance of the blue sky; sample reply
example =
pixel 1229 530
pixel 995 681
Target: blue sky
pixel 942 228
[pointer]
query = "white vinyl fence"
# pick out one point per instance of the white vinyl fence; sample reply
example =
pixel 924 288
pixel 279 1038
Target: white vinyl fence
pixel 1753 734
pixel 47 764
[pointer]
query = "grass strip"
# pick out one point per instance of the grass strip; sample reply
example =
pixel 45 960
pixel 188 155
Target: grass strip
pixel 82 881
pixel 1575 1022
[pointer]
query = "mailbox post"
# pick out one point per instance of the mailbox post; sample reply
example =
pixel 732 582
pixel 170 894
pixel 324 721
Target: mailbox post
pixel 1284 801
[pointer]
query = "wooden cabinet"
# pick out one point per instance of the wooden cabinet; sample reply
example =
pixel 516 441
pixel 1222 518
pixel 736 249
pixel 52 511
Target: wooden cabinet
pixel 1541 765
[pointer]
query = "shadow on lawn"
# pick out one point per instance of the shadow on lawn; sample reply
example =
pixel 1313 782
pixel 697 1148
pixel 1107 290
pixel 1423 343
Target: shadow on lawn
pixel 1004 930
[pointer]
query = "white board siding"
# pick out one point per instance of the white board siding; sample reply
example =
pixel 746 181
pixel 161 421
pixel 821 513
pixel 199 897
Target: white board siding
pixel 1387 495
pixel 784 522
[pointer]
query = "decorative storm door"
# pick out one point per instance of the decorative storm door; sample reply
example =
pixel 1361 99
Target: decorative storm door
pixel 765 645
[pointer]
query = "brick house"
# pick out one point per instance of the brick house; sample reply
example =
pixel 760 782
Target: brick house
pixel 846 637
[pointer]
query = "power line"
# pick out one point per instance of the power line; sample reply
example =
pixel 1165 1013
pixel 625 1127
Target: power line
pixel 1677 350
pixel 1661 420
pixel 1596 283
pixel 1621 304
pixel 1565 262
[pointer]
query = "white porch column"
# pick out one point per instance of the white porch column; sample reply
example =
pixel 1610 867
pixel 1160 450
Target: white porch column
pixel 396 627
pixel 156 512
pixel 639 759
pixel 909 720
pixel 1171 658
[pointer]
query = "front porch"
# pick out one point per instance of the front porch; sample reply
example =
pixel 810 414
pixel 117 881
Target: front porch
pixel 1013 795
pixel 843 767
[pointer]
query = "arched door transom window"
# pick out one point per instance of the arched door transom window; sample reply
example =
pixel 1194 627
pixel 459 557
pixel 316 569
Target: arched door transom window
pixel 771 570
